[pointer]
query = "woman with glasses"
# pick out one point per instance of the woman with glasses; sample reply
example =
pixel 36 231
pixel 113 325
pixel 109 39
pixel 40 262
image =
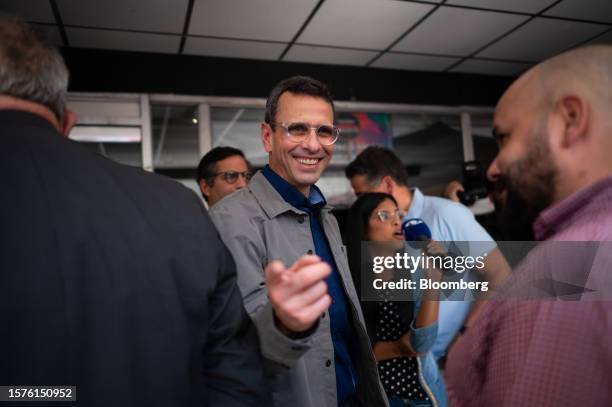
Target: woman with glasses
pixel 401 332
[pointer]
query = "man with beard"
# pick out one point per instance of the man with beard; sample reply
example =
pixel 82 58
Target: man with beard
pixel 555 137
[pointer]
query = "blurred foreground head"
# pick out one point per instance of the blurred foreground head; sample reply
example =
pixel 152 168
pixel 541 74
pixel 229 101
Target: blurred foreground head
pixel 33 75
pixel 554 130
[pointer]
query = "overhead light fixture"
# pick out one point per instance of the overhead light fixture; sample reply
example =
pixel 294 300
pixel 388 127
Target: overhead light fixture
pixel 194 120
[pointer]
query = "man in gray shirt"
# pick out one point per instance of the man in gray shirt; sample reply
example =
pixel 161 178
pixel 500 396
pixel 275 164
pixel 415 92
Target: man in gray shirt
pixel 307 315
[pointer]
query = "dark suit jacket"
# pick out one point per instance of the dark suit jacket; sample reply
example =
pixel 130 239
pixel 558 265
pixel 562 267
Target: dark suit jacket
pixel 114 280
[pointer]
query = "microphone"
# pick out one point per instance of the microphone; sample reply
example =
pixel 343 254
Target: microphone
pixel 416 233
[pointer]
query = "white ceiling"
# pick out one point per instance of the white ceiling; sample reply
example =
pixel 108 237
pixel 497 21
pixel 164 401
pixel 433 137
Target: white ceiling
pixel 498 37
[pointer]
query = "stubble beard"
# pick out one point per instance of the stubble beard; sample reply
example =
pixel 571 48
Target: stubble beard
pixel 530 183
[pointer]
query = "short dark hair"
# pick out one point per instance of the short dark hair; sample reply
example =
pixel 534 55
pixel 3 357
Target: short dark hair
pixel 376 162
pixel 207 168
pixel 300 85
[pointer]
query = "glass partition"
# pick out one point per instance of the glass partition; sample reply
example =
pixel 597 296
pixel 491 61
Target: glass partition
pixel 175 136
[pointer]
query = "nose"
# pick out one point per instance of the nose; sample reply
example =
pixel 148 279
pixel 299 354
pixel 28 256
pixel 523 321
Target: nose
pixel 493 172
pixel 396 220
pixel 241 182
pixel 312 142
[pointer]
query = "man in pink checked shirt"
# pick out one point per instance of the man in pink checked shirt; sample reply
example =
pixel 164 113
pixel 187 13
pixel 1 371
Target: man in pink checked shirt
pixel 554 127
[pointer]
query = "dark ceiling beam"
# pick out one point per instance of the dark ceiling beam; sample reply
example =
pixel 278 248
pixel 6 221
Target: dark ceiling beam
pixel 59 22
pixel 186 26
pixel 122 71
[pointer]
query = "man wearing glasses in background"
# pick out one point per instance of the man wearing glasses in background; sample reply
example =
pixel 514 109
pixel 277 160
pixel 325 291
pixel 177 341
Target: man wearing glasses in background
pixel 222 171
pixel 292 269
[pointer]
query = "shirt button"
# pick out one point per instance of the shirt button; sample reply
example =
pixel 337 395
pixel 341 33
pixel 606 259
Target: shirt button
pixel 328 363
pixel 323 316
pixel 301 219
pixel 309 252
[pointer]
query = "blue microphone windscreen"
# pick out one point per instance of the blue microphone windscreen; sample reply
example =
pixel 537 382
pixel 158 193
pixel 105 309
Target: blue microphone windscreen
pixel 415 229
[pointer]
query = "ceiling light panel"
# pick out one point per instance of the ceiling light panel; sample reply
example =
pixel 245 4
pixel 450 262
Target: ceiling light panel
pixel 454 31
pixel 521 6
pixel 369 24
pixel 151 15
pixel 595 10
pixel 271 20
pixel 541 38
pixel 491 67
pixel 413 62
pixel 325 55
pixel 39 11
pixel 233 48
pixel 125 41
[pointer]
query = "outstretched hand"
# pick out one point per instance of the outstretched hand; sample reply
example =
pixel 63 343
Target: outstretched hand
pixel 298 294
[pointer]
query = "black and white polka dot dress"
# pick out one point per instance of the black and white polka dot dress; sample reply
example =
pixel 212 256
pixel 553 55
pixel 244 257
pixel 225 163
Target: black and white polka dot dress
pixel 399 376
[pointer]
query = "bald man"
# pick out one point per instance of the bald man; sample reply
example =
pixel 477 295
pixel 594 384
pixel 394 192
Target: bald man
pixel 554 129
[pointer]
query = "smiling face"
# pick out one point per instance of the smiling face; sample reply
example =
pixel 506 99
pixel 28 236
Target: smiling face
pixel 300 164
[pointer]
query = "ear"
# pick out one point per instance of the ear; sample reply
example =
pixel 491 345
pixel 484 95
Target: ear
pixel 575 115
pixel 204 187
pixel 267 136
pixel 70 120
pixel 387 184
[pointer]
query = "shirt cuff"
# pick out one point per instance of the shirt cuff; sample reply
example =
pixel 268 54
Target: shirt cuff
pixel 275 345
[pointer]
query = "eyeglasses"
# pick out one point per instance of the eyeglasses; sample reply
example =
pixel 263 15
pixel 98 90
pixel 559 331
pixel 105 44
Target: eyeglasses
pixel 386 216
pixel 327 134
pixel 232 176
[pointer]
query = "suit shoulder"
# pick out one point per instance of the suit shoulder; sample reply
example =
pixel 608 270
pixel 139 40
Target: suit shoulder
pixel 239 203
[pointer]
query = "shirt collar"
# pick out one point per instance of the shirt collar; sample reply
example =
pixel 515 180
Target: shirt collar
pixel 559 216
pixel 291 195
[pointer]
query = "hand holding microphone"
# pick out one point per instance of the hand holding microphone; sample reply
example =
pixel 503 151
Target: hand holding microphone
pixel 418 236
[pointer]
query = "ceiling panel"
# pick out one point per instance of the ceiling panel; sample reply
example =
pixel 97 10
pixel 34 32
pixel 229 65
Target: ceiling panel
pixel 39 11
pixel 150 15
pixel 604 39
pixel 233 48
pixel 325 55
pixel 370 24
pixel 541 38
pixel 596 10
pixel 471 29
pixel 126 41
pixel 491 67
pixel 413 62
pixel 272 20
pixel 50 33
pixel 522 6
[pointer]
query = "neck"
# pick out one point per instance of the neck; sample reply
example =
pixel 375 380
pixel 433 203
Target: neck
pixel 580 181
pixel 13 103
pixel 304 190
pixel 405 198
